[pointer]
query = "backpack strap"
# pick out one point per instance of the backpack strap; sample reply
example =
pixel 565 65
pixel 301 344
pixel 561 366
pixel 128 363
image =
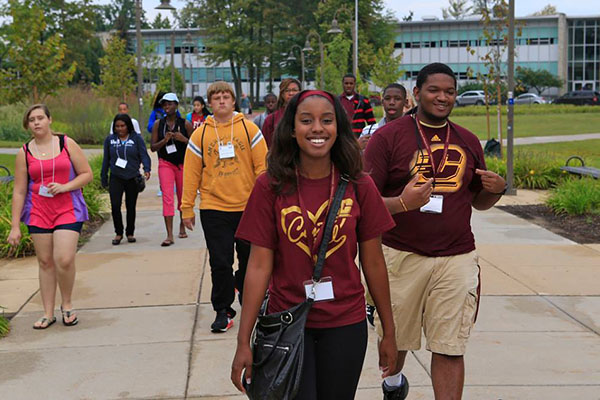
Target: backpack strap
pixel 247 134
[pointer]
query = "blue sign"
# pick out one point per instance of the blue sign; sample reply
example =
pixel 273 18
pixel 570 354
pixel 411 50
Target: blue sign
pixel 511 102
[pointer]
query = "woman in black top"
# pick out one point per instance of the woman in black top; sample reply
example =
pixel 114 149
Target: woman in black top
pixel 124 151
pixel 169 138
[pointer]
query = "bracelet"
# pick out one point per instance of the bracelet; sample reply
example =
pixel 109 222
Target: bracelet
pixel 403 204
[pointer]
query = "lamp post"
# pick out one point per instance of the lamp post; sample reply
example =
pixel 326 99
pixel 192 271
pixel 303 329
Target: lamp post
pixel 291 57
pixel 188 42
pixel 335 29
pixel 164 5
pixel 307 47
pixel 511 87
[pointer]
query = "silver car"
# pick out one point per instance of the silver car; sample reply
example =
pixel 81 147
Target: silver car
pixel 529 98
pixel 471 97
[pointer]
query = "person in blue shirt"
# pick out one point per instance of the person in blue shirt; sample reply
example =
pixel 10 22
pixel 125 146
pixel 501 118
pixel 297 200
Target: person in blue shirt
pixel 124 151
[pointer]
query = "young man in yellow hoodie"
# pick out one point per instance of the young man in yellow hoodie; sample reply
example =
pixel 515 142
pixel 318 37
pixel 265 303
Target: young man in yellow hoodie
pixel 224 157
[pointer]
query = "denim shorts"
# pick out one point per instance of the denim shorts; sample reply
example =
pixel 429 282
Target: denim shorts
pixel 75 226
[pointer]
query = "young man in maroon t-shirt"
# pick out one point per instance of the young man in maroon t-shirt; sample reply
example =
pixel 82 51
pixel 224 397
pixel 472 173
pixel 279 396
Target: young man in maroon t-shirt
pixel 430 172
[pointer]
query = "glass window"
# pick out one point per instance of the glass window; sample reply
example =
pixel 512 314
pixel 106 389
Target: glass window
pixel 578 35
pixel 590 71
pixel 589 53
pixel 210 74
pixel 590 35
pixel 578 71
pixel 578 53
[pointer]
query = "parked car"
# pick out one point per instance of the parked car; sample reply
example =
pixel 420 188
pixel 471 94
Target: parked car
pixel 579 97
pixel 471 97
pixel 375 100
pixel 530 98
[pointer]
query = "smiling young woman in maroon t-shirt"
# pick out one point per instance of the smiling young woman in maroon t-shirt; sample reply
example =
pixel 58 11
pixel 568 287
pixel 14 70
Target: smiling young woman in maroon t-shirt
pixel 312 147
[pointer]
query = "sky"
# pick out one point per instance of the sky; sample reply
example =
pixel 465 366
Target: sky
pixel 423 8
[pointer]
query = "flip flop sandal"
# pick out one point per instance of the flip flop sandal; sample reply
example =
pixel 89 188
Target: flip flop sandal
pixel 115 242
pixel 43 321
pixel 67 314
pixel 166 243
pixel 183 235
pixel 131 239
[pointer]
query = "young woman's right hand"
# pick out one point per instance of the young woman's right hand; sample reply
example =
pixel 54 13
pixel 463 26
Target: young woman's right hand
pixel 14 237
pixel 242 362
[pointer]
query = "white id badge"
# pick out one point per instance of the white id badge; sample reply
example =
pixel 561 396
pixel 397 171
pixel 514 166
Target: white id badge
pixel 171 148
pixel 121 163
pixel 323 290
pixel 45 192
pixel 226 151
pixel 435 204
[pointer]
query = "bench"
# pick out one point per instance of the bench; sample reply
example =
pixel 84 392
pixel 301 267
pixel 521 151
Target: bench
pixel 6 178
pixel 581 170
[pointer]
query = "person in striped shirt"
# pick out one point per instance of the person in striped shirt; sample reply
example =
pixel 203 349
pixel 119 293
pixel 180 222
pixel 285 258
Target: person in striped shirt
pixel 358 108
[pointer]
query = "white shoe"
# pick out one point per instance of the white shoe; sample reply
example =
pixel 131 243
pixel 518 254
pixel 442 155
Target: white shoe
pixel 159 193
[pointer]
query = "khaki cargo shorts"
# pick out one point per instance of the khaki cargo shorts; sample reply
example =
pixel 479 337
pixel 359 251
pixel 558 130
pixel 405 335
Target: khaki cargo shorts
pixel 438 294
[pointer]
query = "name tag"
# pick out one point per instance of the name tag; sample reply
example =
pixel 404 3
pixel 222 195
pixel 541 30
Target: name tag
pixel 435 204
pixel 121 163
pixel 226 151
pixel 45 191
pixel 171 148
pixel 320 291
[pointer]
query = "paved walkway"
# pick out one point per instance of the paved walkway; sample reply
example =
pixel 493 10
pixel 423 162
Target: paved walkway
pixel 145 315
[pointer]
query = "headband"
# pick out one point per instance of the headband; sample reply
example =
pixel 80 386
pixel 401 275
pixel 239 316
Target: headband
pixel 308 93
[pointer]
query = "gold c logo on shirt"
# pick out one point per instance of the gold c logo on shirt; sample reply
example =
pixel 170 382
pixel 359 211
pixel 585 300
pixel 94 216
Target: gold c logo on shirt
pixel 293 226
pixel 449 179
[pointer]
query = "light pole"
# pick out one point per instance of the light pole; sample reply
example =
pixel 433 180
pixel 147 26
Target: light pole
pixel 291 57
pixel 335 29
pixel 511 87
pixel 164 5
pixel 322 53
pixel 188 43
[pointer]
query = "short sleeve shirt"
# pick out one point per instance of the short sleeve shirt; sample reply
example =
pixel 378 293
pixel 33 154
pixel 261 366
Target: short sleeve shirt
pixel 396 153
pixel 276 222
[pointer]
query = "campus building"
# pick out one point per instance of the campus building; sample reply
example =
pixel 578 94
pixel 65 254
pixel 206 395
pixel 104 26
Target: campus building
pixel 568 47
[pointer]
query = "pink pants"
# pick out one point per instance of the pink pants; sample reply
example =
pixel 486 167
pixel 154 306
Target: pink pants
pixel 169 175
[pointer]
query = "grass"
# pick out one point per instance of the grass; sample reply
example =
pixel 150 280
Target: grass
pixel 8 160
pixel 576 197
pixel 589 150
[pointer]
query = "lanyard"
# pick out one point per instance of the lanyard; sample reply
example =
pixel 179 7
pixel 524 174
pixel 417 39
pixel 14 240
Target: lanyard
pixel 165 129
pixel 428 148
pixel 313 242
pixel 41 165
pixel 119 144
pixel 219 142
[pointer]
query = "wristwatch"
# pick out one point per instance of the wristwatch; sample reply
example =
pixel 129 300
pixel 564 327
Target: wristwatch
pixel 502 192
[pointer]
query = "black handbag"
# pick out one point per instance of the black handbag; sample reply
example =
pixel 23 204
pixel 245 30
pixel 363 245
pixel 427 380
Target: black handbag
pixel 140 183
pixel 278 340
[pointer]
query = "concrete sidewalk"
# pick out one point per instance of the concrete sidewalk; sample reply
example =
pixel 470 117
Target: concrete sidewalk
pixel 145 315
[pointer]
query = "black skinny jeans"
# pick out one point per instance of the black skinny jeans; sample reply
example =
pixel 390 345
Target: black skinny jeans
pixel 333 361
pixel 116 187
pixel 219 231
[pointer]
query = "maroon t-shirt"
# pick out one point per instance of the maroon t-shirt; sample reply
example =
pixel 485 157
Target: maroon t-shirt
pixel 276 222
pixel 394 154
pixel 268 129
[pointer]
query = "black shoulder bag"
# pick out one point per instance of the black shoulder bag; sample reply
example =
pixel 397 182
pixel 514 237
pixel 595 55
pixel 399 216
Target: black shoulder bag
pixel 278 340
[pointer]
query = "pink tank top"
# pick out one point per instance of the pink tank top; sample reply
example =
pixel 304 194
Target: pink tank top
pixel 64 208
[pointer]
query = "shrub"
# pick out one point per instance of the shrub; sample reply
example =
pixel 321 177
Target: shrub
pixel 4 326
pixel 531 170
pixel 576 197
pixel 11 128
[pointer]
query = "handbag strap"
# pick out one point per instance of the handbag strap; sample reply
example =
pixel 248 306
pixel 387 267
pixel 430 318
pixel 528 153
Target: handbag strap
pixel 333 210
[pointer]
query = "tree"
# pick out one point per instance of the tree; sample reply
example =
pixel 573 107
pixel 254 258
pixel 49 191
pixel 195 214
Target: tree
pixel 539 80
pixel 39 67
pixel 161 23
pixel 548 10
pixel 409 16
pixel 336 63
pixel 164 80
pixel 457 9
pixel 387 67
pixel 481 7
pixel 117 70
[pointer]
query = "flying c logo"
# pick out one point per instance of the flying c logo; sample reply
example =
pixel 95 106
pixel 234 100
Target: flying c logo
pixel 450 178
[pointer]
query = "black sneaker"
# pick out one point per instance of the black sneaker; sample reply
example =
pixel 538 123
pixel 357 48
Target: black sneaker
pixel 395 393
pixel 222 322
pixel 231 313
pixel 371 315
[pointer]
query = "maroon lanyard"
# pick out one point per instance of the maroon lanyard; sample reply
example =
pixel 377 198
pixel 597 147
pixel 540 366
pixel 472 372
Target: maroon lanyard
pixel 313 243
pixel 428 148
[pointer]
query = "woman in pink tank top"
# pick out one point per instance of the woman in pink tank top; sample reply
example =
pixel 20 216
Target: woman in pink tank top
pixel 50 171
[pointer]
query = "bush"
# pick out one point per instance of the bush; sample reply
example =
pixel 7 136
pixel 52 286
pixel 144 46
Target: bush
pixel 576 197
pixel 4 326
pixel 531 170
pixel 94 197
pixel 11 128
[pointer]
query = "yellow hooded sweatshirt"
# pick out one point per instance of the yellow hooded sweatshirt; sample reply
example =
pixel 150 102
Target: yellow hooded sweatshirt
pixel 225 183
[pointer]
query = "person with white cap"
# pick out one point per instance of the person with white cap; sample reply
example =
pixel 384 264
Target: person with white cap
pixel 170 136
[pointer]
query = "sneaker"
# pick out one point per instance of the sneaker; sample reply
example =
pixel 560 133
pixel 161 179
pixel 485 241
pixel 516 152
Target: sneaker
pixel 231 313
pixel 395 393
pixel 371 315
pixel 159 193
pixel 222 322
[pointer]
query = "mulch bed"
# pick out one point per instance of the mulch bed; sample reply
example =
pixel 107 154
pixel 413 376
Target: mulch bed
pixel 581 229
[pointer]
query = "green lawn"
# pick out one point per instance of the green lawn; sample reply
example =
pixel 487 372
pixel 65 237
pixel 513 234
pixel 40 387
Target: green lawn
pixel 528 125
pixel 589 150
pixel 7 144
pixel 8 160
